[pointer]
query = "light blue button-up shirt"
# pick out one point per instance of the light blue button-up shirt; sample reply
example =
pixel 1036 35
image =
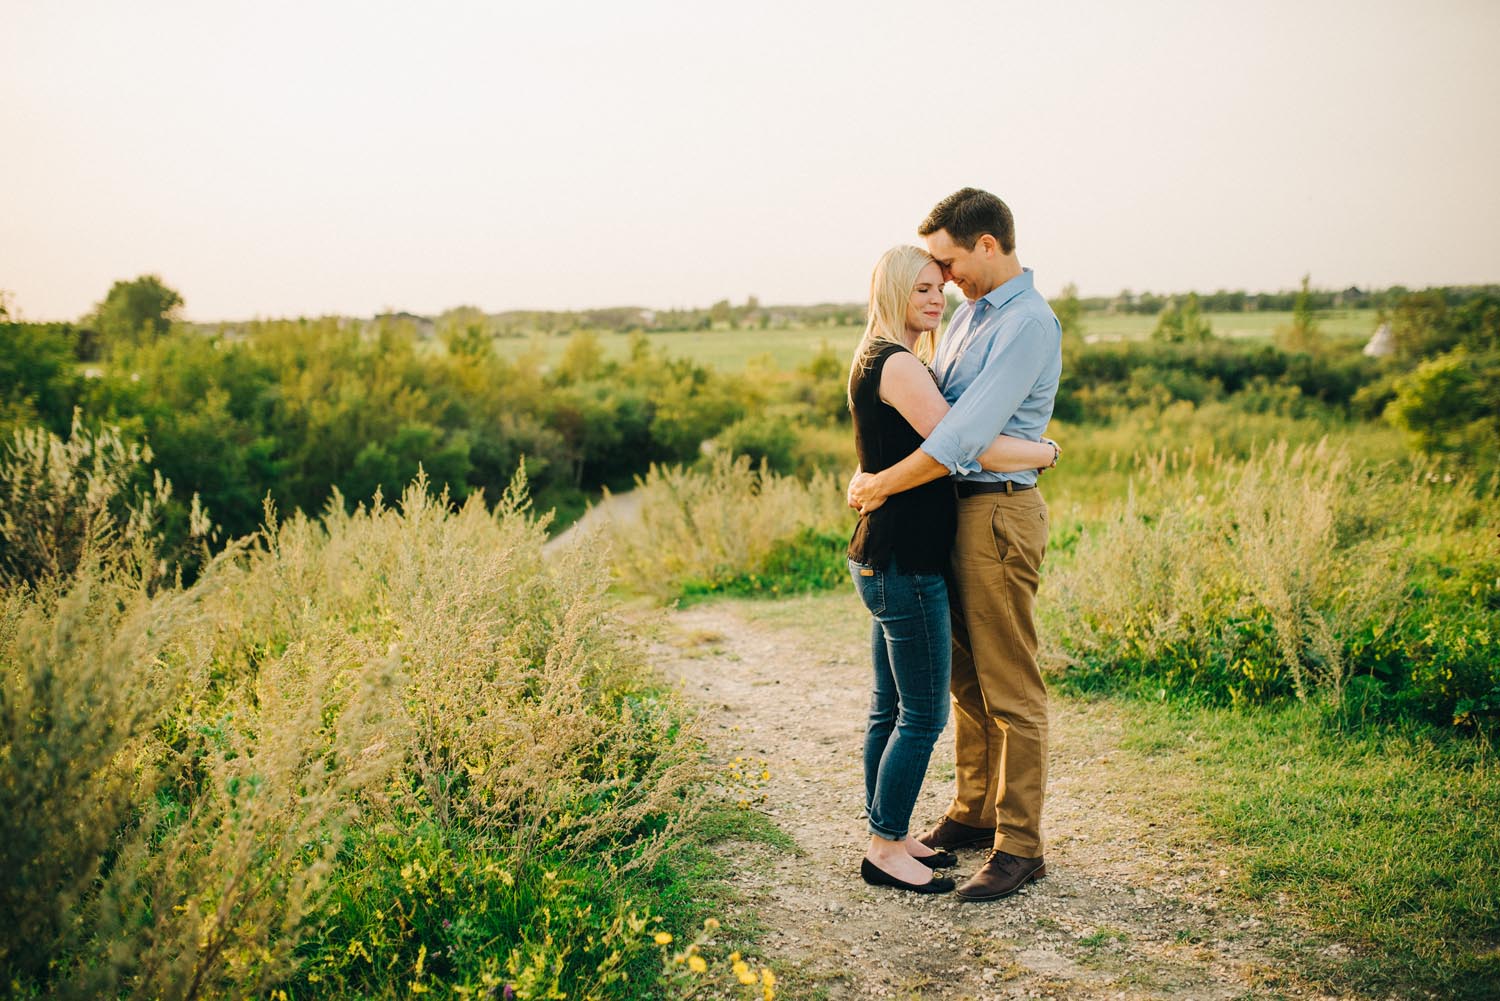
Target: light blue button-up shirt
pixel 998 365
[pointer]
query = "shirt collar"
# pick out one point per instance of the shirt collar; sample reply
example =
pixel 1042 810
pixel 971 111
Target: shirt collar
pixel 1002 294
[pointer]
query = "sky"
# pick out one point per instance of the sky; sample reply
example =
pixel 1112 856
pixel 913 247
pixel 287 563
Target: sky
pixel 281 159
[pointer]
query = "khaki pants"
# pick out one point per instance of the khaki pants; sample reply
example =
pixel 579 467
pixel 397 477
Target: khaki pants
pixel 999 701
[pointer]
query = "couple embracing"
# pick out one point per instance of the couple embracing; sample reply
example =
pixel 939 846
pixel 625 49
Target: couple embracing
pixel 949 543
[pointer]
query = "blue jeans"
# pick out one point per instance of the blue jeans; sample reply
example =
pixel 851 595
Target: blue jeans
pixel 911 646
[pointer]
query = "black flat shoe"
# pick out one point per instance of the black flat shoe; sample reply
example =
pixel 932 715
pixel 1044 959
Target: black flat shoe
pixel 876 876
pixel 942 860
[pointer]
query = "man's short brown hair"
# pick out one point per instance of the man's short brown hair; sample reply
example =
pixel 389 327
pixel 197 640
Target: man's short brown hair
pixel 968 214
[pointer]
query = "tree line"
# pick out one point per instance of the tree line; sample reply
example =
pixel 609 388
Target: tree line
pixel 292 410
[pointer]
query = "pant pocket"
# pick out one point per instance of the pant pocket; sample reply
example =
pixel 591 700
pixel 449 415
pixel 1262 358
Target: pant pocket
pixel 870 583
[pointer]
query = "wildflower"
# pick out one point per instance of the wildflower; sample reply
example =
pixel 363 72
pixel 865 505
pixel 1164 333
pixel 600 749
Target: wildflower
pixel 663 938
pixel 712 924
pixel 696 964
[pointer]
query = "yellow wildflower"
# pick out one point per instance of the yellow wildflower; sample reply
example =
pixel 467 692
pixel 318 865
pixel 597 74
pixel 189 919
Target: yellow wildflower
pixel 696 964
pixel 712 924
pixel 663 938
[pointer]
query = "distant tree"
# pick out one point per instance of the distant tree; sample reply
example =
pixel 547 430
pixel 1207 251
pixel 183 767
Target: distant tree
pixel 471 341
pixel 1069 312
pixel 465 329
pixel 582 359
pixel 1150 303
pixel 721 312
pixel 145 306
pixel 1302 336
pixel 1182 322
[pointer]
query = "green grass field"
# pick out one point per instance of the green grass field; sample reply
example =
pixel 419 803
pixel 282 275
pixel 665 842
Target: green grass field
pixel 1131 326
pixel 788 347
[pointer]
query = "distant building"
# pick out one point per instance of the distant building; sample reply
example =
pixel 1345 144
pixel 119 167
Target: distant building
pixel 1382 343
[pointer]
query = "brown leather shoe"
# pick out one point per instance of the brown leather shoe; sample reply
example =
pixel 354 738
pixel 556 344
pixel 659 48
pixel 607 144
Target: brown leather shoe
pixel 950 834
pixel 1001 875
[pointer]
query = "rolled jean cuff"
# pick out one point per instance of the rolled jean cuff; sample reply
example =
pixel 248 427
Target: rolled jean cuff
pixel 887 834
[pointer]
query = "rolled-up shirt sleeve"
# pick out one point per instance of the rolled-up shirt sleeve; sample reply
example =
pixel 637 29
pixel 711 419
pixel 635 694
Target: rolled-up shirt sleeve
pixel 1015 362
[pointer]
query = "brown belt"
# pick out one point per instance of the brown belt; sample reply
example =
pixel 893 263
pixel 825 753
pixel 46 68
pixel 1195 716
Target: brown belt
pixel 966 488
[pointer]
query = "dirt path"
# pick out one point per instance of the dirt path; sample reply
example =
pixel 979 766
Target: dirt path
pixel 622 509
pixel 1130 908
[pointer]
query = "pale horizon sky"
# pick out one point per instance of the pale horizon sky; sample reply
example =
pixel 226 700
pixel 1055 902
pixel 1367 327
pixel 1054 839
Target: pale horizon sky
pixel 283 159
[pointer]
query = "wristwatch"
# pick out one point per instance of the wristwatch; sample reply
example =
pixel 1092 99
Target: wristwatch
pixel 1055 452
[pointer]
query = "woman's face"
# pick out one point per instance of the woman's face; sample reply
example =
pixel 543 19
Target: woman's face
pixel 924 310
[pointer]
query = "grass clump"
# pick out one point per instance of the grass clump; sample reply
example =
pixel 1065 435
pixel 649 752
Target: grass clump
pixel 733 529
pixel 1294 572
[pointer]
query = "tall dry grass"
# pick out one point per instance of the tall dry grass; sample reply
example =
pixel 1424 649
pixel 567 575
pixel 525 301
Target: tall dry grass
pixel 183 766
pixel 700 525
pixel 1252 578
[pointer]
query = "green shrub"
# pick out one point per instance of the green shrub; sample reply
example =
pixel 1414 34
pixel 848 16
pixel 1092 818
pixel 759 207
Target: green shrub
pixel 764 440
pixel 1451 403
pixel 808 561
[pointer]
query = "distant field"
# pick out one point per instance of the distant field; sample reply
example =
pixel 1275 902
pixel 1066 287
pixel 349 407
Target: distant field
pixel 789 347
pixel 726 350
pixel 1334 322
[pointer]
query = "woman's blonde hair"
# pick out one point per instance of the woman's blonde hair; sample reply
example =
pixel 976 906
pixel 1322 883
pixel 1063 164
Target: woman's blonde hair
pixel 890 292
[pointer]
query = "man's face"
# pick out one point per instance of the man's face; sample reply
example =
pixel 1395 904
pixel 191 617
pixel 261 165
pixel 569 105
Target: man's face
pixel 964 268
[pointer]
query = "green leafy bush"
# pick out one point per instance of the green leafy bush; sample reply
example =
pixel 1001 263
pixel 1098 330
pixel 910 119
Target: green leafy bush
pixel 767 440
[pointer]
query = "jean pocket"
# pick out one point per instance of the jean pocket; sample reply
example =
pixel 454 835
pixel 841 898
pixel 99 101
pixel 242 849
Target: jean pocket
pixel 870 583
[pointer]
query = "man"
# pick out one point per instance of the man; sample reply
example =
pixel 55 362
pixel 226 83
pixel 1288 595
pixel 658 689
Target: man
pixel 998 365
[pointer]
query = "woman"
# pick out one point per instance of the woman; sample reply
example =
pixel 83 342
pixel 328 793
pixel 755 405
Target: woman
pixel 898 555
